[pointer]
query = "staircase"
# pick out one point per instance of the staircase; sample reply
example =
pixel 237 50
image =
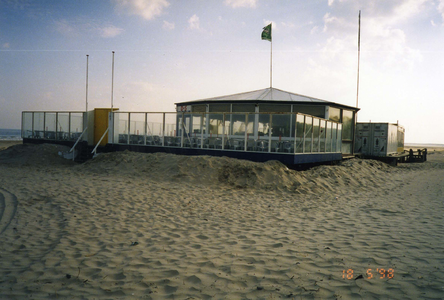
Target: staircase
pixel 83 152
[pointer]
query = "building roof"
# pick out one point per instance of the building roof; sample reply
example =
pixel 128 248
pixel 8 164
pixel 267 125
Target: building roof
pixel 266 95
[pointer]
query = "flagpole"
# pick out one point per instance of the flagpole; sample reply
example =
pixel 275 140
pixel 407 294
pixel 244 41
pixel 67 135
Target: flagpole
pixel 359 56
pixel 87 57
pixel 271 63
pixel 112 84
pixel 266 35
pixel 357 84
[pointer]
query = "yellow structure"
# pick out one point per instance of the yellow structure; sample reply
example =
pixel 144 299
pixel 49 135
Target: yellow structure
pixel 101 122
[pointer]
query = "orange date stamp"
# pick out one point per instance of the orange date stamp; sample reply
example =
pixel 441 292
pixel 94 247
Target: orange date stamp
pixel 378 273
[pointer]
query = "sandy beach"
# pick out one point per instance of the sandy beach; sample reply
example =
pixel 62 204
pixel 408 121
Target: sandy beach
pixel 160 226
pixel 6 144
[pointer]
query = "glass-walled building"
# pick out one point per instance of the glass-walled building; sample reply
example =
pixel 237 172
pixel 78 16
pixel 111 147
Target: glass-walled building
pixel 281 104
pixel 262 125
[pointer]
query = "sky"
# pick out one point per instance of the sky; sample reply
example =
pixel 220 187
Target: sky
pixel 168 51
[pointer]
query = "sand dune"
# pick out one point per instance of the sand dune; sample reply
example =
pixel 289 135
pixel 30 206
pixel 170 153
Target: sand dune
pixel 159 226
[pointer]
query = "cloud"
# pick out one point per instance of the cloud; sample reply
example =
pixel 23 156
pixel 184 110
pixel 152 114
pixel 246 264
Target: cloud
pixel 314 30
pixel 241 3
pixel 383 38
pixel 110 31
pixel 334 23
pixel 288 24
pixel 194 22
pixel 441 8
pixel 330 2
pixel 80 27
pixel 65 28
pixel 167 25
pixel 147 9
pixel 407 9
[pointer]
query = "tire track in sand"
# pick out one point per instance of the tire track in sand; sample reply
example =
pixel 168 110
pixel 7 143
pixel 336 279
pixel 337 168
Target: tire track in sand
pixel 8 207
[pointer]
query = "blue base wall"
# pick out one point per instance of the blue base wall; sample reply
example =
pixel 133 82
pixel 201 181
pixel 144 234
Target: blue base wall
pixel 287 159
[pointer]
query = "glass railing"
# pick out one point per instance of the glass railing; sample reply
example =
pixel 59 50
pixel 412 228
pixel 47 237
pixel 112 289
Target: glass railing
pixel 62 126
pixel 260 132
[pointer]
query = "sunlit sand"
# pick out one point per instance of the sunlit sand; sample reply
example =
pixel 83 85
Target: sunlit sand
pixel 151 226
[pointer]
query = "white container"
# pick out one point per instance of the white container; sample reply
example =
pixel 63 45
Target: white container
pixel 379 139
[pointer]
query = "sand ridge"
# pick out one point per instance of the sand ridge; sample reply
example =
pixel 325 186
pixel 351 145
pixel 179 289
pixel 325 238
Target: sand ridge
pixel 138 226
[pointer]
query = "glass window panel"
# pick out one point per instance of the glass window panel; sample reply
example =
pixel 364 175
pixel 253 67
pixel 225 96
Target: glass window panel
pixel 347 121
pixel 172 124
pixel 239 127
pixel 316 132
pixel 322 136
pixel 312 110
pixel 334 114
pixel 122 127
pixel 137 128
pixel 292 124
pixel 281 126
pixel 274 108
pixel 300 120
pixel 188 136
pixel 308 134
pixel 216 124
pixel 196 124
pixel 77 126
pixel 328 137
pixel 63 126
pixel 236 143
pixel 263 128
pixel 227 125
pixel 50 126
pixel 175 125
pixel 27 125
pixel 236 134
pixel 38 124
pixel 339 139
pixel 199 108
pixel 243 108
pixel 154 129
pixel 250 124
pixel 220 107
pixel 334 132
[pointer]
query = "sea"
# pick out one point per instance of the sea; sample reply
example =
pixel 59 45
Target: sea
pixel 10 135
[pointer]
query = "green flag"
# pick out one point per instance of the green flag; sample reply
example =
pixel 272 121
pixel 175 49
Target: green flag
pixel 266 34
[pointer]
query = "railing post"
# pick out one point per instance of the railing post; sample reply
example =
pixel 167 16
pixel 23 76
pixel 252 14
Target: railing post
pixel 129 131
pixel 44 125
pixel 201 130
pixel 57 122
pixel 223 131
pixel 303 135
pixel 295 131
pixel 69 125
pixel 269 133
pixel 32 127
pixel 245 134
pixel 145 131
pixel 163 131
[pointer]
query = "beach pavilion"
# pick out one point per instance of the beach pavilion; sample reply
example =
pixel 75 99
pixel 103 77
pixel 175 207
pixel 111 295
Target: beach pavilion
pixel 260 104
pixel 262 125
